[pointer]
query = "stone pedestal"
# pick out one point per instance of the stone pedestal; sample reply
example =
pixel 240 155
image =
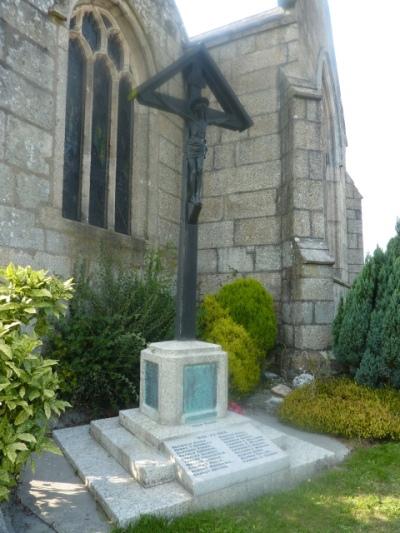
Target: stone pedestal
pixel 183 382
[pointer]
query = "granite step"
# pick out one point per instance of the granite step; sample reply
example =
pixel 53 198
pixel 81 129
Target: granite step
pixel 147 430
pixel 143 462
pixel 123 499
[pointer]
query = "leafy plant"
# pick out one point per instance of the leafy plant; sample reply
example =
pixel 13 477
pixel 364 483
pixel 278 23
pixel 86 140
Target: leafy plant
pixel 111 318
pixel 215 325
pixel 28 384
pixel 251 306
pixel 342 407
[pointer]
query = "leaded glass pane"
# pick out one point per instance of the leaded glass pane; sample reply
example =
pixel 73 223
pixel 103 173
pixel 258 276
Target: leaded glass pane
pixel 124 158
pixel 73 131
pixel 91 31
pixel 106 21
pixel 115 51
pixel 100 144
pixel 72 23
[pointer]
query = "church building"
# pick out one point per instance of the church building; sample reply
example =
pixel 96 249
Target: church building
pixel 81 165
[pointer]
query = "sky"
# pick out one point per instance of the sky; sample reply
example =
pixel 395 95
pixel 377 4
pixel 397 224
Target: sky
pixel 367 44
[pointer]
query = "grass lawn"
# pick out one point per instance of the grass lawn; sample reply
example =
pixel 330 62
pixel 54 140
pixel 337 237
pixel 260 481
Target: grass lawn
pixel 360 495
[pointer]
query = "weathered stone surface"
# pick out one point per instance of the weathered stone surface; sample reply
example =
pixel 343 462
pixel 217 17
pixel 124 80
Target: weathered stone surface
pixel 302 379
pixel 26 101
pixel 251 177
pixel 7 181
pixel 214 235
pixel 277 55
pixel 268 258
pixel 30 22
pixel 312 337
pixel 235 260
pixel 308 194
pixel 224 156
pixel 264 125
pixel 17 229
pixel 170 155
pixel 261 102
pixel 32 191
pixel 31 61
pixel 301 223
pixel 315 289
pixel 2 39
pixel 316 162
pixel 169 207
pixel 354 226
pixel 276 36
pixel 247 204
pixel 324 312
pixel 169 180
pixel 307 134
pixel 281 390
pixel 212 210
pixel 207 261
pixel 263 230
pixel 2 133
pixel 27 146
pixel 266 148
pixel 318 224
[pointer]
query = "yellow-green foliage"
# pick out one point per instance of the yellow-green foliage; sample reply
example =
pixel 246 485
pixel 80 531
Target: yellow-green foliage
pixel 28 384
pixel 251 306
pixel 217 326
pixel 342 407
pixel 243 354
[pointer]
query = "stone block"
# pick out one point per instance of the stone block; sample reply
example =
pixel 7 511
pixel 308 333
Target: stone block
pixel 246 204
pixel 263 230
pixel 30 22
pixel 317 224
pixel 169 130
pixel 229 136
pixel 266 148
pixel 264 125
pixel 212 210
pixel 2 133
pixel 31 191
pixel 59 265
pixel 307 135
pixel 293 51
pixel 168 232
pixel 17 229
pixel 235 260
pixel 169 180
pixel 224 156
pixel 314 110
pixel 43 5
pixel 308 194
pixel 302 313
pixel 58 243
pixel 268 258
pixel 215 234
pixel 314 289
pixel 25 100
pixel 246 45
pixel 352 240
pixel 245 178
pixel 312 337
pixel 169 207
pixel 7 184
pixel 277 55
pixel 207 261
pixel 274 36
pixel 31 61
pixel 317 164
pixel 2 39
pixel 259 103
pixel 354 226
pixel 211 283
pixel 355 257
pixel 301 223
pixel 299 108
pixel 300 164
pixel 170 154
pixel 317 271
pixel 255 81
pixel 272 281
pixel 324 312
pixel 351 213
pixel 27 146
pixel 165 395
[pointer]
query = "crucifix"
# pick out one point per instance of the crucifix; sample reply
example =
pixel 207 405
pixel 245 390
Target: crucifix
pixel 199 71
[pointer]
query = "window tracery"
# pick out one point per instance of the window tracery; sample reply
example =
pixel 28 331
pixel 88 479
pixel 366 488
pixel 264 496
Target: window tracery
pixel 99 123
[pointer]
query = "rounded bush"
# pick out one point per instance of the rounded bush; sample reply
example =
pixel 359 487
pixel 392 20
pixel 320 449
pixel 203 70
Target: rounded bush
pixel 243 354
pixel 251 306
pixel 344 408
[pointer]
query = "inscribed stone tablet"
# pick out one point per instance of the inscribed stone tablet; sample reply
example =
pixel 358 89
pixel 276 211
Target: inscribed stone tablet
pixel 213 460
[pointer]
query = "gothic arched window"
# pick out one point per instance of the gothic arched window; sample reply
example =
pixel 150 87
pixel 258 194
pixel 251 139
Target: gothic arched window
pixel 98 124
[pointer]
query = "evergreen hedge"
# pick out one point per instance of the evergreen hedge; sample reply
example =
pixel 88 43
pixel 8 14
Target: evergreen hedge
pixel 366 329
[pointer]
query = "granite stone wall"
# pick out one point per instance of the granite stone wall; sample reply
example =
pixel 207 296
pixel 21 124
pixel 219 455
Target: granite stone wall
pixel 33 71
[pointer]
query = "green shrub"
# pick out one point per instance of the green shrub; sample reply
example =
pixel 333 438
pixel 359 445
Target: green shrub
pixel 342 407
pixel 244 356
pixel 28 384
pixel 367 327
pixel 251 306
pixel 111 318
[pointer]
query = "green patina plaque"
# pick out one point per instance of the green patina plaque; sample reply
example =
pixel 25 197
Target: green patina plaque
pixel 200 389
pixel 151 384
